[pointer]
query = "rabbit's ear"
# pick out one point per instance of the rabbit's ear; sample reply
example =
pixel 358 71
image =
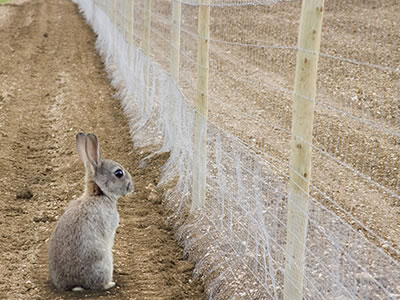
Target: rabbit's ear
pixel 81 147
pixel 93 149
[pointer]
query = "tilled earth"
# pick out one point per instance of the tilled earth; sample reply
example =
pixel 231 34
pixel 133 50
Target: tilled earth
pixel 53 85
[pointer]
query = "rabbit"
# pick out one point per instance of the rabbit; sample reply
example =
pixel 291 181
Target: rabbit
pixel 80 247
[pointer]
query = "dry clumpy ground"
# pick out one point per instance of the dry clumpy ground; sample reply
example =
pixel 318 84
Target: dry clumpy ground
pixel 52 85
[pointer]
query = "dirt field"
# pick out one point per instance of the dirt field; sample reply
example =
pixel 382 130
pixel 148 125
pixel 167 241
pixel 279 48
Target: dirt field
pixel 52 85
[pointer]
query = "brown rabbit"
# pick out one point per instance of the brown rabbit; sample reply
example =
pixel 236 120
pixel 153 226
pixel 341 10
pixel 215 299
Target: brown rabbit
pixel 80 248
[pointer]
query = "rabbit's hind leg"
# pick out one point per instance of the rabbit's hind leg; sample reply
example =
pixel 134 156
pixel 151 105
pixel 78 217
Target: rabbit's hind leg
pixel 99 276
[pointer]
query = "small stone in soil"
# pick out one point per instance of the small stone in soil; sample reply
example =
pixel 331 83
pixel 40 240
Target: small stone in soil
pixel 24 194
pixel 44 218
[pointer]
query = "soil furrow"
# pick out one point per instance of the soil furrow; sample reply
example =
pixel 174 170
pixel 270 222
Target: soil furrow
pixel 53 85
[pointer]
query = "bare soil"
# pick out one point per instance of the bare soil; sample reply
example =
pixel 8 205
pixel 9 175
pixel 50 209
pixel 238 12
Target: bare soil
pixel 53 85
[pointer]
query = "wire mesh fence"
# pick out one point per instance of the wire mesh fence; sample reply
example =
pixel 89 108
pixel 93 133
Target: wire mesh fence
pixel 239 237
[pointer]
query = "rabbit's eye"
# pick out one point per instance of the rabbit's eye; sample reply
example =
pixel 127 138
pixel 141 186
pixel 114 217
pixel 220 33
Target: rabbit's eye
pixel 119 173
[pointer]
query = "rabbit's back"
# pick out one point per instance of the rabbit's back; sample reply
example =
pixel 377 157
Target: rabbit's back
pixel 81 244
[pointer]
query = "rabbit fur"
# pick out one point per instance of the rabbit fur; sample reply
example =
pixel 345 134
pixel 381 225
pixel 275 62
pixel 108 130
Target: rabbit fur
pixel 80 247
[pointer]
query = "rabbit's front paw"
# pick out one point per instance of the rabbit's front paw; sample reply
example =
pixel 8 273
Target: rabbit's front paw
pixel 109 285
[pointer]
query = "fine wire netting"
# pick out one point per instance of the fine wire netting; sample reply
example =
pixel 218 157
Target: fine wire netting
pixel 238 239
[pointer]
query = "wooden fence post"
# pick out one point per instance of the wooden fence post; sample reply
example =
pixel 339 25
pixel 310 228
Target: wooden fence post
pixel 147 52
pixel 175 39
pixel 115 23
pixel 147 28
pixel 114 12
pixel 131 22
pixel 300 158
pixel 174 60
pixel 124 15
pixel 201 115
pixel 108 6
